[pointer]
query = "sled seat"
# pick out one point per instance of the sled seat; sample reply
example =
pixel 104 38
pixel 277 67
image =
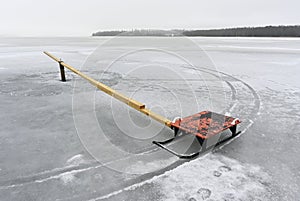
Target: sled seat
pixel 206 124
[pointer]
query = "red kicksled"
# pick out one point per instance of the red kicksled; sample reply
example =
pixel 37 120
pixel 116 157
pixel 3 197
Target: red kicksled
pixel 203 125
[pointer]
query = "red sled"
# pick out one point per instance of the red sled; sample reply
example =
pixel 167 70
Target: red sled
pixel 203 126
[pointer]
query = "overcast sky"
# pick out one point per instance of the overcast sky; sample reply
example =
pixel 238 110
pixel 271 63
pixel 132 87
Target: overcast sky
pixel 82 18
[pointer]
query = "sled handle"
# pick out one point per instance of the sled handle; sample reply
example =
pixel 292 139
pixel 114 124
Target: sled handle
pixel 106 89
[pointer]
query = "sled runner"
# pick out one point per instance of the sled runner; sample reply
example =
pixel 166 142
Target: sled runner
pixel 204 125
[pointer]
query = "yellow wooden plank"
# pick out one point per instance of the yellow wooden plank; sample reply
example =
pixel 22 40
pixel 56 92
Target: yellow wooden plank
pixel 132 103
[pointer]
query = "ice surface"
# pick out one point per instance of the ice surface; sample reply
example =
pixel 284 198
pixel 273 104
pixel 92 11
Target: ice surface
pixel 42 157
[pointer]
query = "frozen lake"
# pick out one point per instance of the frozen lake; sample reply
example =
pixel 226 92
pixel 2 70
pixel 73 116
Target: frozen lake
pixel 51 147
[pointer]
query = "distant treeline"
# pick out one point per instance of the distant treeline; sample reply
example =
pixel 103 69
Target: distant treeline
pixel 268 31
pixel 140 32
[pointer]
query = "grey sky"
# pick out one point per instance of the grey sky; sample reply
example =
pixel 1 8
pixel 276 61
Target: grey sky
pixel 79 18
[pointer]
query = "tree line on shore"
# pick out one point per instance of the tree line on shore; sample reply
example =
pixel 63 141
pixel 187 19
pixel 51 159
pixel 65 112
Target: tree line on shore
pixel 267 31
pixel 140 32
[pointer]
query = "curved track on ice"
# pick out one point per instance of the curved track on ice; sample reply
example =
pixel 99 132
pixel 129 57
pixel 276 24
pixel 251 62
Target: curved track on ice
pixel 244 101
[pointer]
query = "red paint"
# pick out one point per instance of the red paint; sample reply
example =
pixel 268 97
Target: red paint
pixel 205 124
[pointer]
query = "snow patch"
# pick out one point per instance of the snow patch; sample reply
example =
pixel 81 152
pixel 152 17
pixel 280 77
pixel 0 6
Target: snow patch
pixel 228 114
pixel 141 167
pixel 215 177
pixel 67 177
pixel 75 160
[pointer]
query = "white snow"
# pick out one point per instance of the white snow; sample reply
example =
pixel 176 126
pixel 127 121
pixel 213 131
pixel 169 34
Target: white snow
pixel 216 177
pixel 75 160
pixel 141 166
pixel 67 177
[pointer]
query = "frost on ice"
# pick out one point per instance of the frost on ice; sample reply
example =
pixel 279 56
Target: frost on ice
pixel 215 177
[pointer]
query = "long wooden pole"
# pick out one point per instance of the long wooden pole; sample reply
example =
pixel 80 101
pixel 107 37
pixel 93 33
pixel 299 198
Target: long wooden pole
pixel 130 102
